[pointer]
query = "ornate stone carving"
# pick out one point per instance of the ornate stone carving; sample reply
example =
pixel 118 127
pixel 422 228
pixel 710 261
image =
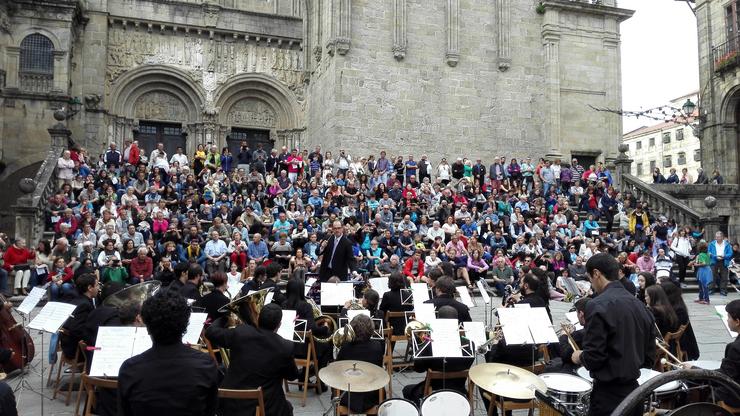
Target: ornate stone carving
pixel 92 102
pixel 317 51
pixel 253 113
pixel 340 40
pixel 452 55
pixel 160 105
pixel 399 29
pixel 210 14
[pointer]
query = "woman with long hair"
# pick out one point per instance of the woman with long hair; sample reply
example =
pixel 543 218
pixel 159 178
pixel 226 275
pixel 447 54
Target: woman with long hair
pixel 644 280
pixel 688 340
pixel 658 303
pixel 296 300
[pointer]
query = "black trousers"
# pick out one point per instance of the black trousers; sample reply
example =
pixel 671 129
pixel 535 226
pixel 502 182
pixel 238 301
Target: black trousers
pixel 606 396
pixel 682 263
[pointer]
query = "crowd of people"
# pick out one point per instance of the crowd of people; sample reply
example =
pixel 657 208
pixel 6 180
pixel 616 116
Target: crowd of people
pixel 258 217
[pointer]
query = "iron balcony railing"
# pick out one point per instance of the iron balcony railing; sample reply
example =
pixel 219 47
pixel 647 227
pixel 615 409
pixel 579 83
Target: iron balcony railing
pixel 725 56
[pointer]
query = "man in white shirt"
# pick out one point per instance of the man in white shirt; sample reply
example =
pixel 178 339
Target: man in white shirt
pixel 216 251
pixel 435 231
pixel 158 156
pixel 179 157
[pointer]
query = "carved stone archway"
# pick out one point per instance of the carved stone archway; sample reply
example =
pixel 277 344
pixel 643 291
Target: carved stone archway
pixel 260 101
pixel 156 92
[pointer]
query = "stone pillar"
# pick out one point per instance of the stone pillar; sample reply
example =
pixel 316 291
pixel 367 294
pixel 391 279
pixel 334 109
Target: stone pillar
pixel 503 24
pixel 60 136
pixel 13 54
pixel 452 54
pixel 551 43
pixel 60 72
pixel 623 165
pixel 399 29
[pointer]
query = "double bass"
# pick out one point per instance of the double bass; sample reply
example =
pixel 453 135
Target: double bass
pixel 15 338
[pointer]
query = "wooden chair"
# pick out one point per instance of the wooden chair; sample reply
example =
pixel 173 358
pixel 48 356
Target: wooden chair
pixel 82 351
pixel 66 363
pixel 395 338
pixel 449 375
pixel 388 358
pixel 255 394
pixel 307 363
pixel 209 347
pixel 732 410
pixel 344 410
pixel 90 384
pixel 504 405
pixel 673 339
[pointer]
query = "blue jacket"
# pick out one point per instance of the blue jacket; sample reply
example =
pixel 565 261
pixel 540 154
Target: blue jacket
pixel 712 250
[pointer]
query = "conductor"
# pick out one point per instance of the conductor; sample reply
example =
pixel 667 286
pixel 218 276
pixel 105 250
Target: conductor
pixel 336 255
pixel 618 340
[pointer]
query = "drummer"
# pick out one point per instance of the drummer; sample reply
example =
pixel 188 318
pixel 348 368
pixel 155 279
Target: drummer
pixel 565 349
pixel 619 337
pixel 362 348
pixel 731 362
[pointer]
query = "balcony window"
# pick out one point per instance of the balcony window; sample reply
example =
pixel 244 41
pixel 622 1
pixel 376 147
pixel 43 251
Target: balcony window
pixel 638 145
pixel 651 142
pixel 679 134
pixel 666 137
pixel 36 73
pixel 639 169
pixel 682 158
pixel 697 155
pixel 667 161
pixel 652 165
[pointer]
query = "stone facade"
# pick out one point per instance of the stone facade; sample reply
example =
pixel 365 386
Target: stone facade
pixel 475 78
pixel 719 76
pixel 452 77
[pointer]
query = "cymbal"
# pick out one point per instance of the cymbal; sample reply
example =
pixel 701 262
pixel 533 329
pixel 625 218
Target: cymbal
pixel 354 376
pixel 506 380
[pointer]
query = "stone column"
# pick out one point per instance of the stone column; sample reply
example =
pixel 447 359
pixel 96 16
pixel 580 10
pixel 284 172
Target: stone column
pixel 399 29
pixel 452 54
pixel 623 165
pixel 60 72
pixel 503 24
pixel 13 65
pixel 551 43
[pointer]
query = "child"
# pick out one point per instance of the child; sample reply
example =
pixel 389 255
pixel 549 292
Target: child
pixel 703 273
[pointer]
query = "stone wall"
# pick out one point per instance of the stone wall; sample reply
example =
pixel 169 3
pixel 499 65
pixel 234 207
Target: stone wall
pixel 720 95
pixel 464 78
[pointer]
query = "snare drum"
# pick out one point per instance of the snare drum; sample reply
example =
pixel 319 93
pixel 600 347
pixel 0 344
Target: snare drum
pixel 397 407
pixel 666 395
pixel 445 403
pixel 573 392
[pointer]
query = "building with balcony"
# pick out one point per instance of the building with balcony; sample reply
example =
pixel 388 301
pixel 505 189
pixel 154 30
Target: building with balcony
pixel 666 145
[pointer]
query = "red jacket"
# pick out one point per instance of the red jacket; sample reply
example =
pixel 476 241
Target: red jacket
pixel 72 225
pixel 139 268
pixel 15 256
pixel 408 265
pixel 67 275
pixel 133 155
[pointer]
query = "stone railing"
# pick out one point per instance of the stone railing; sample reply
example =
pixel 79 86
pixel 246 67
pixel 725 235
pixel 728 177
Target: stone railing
pixel 30 209
pixel 661 202
pixel 36 83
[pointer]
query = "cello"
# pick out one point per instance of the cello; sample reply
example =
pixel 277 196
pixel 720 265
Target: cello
pixel 15 338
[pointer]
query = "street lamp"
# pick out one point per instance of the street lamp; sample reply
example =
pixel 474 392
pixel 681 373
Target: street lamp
pixel 688 107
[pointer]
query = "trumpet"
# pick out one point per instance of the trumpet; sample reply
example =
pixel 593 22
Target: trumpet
pixel 494 336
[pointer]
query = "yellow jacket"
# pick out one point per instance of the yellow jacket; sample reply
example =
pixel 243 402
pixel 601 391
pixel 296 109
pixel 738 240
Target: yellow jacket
pixel 633 221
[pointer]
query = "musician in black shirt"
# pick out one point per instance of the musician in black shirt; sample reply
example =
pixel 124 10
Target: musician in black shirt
pixel 731 362
pixel 444 291
pixel 619 337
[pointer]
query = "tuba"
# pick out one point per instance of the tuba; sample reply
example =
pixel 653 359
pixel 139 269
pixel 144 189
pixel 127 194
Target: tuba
pixel 137 294
pixel 322 320
pixel 246 308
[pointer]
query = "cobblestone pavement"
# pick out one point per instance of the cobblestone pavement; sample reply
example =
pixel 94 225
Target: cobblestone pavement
pixel 710 333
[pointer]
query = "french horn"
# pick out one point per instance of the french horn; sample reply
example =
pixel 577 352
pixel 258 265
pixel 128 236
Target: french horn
pixel 136 294
pixel 246 308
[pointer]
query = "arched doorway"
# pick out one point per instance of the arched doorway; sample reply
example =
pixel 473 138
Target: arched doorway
pixel 157 103
pixel 258 109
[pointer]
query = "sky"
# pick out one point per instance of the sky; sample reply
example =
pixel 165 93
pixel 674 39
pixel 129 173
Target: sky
pixel 659 55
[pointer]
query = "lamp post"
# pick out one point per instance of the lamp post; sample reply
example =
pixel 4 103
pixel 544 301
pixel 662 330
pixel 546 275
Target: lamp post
pixel 687 111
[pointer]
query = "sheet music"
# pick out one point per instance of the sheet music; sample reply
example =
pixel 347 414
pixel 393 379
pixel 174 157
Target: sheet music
pixel 521 305
pixel 465 298
pixel 195 327
pixel 573 319
pixel 723 314
pixel 114 346
pixel 309 284
pixel 424 312
pixel 421 292
pixel 235 290
pixel 445 338
pixel 351 313
pixel 333 294
pixel 476 332
pixel 31 301
pixel 541 327
pixel 52 316
pixel 142 341
pixel 287 325
pixel 380 285
pixel 268 297
pixel 483 292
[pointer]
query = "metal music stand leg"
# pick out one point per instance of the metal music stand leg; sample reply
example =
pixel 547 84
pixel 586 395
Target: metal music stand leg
pixel 24 384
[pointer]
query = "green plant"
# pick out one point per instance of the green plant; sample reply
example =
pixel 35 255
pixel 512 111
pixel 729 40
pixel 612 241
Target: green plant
pixel 540 8
pixel 725 60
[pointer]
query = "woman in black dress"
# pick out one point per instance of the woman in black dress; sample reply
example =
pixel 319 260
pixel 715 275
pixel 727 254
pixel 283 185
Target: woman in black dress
pixel 688 340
